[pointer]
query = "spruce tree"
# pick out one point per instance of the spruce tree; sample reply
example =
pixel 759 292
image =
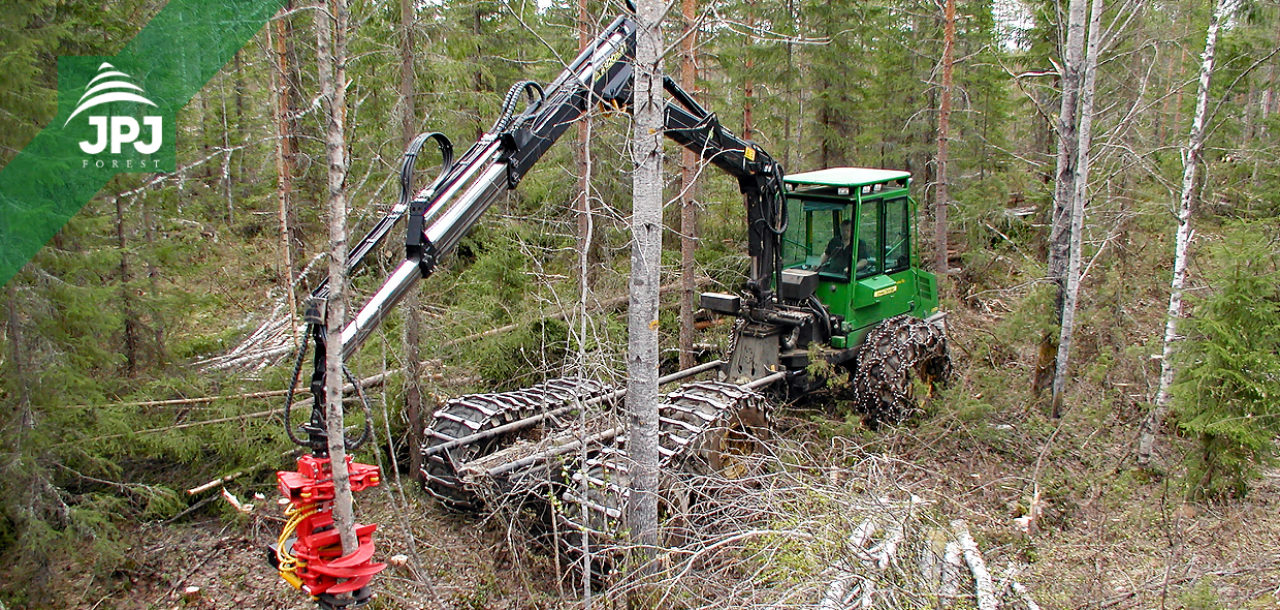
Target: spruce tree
pixel 1226 396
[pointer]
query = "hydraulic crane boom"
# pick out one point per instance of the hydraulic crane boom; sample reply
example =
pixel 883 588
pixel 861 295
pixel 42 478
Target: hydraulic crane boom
pixel 441 214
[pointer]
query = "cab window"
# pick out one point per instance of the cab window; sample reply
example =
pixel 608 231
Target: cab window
pixel 870 261
pixel 897 233
pixel 819 236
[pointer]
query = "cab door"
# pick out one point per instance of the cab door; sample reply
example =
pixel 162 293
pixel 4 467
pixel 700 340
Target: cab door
pixel 883 280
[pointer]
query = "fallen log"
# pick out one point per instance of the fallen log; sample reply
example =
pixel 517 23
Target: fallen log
pixel 984 590
pixel 838 593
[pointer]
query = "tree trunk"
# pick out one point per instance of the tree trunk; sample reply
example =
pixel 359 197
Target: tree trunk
pixel 1080 188
pixel 646 255
pixel 412 319
pixel 1191 160
pixel 331 26
pixel 153 278
pixel 18 380
pixel 944 129
pixel 688 199
pixel 128 309
pixel 280 84
pixel 582 206
pixel 748 85
pixel 1060 228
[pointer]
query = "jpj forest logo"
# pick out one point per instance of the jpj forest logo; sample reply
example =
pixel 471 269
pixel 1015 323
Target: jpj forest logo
pixel 116 124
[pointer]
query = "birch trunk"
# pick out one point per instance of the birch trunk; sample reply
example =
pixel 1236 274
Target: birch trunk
pixel 944 128
pixel 1190 163
pixel 331 25
pixel 1060 228
pixel 688 201
pixel 279 44
pixel 1079 190
pixel 646 250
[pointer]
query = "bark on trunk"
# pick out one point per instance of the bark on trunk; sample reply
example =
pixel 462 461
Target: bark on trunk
pixel 280 84
pixel 153 278
pixel 128 309
pixel 1060 228
pixel 413 320
pixel 331 27
pixel 1191 161
pixel 582 207
pixel 1079 190
pixel 944 128
pixel 17 349
pixel 688 199
pixel 646 251
pixel 749 86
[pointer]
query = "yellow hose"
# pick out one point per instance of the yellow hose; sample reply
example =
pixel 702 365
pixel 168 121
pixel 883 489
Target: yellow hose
pixel 287 562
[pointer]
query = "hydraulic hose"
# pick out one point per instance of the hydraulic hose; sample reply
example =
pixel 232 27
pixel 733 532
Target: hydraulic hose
pixel 536 94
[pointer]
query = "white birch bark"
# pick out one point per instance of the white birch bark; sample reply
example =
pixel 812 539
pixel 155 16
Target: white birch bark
pixel 984 589
pixel 646 251
pixel 1190 164
pixel 1060 225
pixel 331 23
pixel 1079 191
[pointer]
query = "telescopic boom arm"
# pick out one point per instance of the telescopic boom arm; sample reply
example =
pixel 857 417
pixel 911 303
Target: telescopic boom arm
pixel 442 213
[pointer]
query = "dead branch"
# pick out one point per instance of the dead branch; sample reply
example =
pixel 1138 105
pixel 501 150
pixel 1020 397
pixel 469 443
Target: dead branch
pixel 235 475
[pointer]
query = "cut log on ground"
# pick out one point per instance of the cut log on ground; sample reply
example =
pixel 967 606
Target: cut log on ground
pixel 983 587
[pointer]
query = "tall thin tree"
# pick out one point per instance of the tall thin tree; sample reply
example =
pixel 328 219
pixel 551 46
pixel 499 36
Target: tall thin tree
pixel 413 319
pixel 1060 225
pixel 280 88
pixel 1190 164
pixel 331 28
pixel 646 260
pixel 128 307
pixel 582 207
pixel 1079 191
pixel 944 132
pixel 688 198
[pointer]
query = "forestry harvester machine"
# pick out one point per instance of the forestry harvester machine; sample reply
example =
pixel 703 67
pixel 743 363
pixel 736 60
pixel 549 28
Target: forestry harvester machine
pixel 834 276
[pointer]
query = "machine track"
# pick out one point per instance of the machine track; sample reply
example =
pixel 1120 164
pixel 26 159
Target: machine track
pixel 900 349
pixel 474 413
pixel 703 428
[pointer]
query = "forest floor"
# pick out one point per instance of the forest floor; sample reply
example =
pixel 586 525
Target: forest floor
pixel 1105 534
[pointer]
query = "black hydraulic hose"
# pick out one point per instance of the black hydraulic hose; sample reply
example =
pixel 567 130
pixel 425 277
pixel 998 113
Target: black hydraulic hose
pixel 536 94
pixel 822 312
pixel 368 412
pixel 293 383
pixel 411 157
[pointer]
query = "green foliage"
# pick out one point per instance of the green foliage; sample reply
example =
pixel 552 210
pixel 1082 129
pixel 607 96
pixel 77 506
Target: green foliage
pixel 1227 393
pixel 509 360
pixel 1203 595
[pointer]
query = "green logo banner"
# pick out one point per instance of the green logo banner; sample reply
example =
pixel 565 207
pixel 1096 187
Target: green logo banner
pixel 117 114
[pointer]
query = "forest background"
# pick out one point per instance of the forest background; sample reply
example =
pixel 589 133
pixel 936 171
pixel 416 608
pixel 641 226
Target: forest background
pixel 130 312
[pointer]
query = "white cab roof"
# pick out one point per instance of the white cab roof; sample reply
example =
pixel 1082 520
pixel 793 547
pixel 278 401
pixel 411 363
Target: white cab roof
pixel 847 176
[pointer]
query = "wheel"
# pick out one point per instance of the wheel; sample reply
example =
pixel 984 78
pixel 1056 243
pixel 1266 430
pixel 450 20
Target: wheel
pixel 894 354
pixel 705 429
pixel 474 413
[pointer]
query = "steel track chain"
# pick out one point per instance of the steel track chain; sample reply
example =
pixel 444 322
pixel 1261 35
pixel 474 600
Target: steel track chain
pixel 466 415
pixel 896 352
pixel 702 426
